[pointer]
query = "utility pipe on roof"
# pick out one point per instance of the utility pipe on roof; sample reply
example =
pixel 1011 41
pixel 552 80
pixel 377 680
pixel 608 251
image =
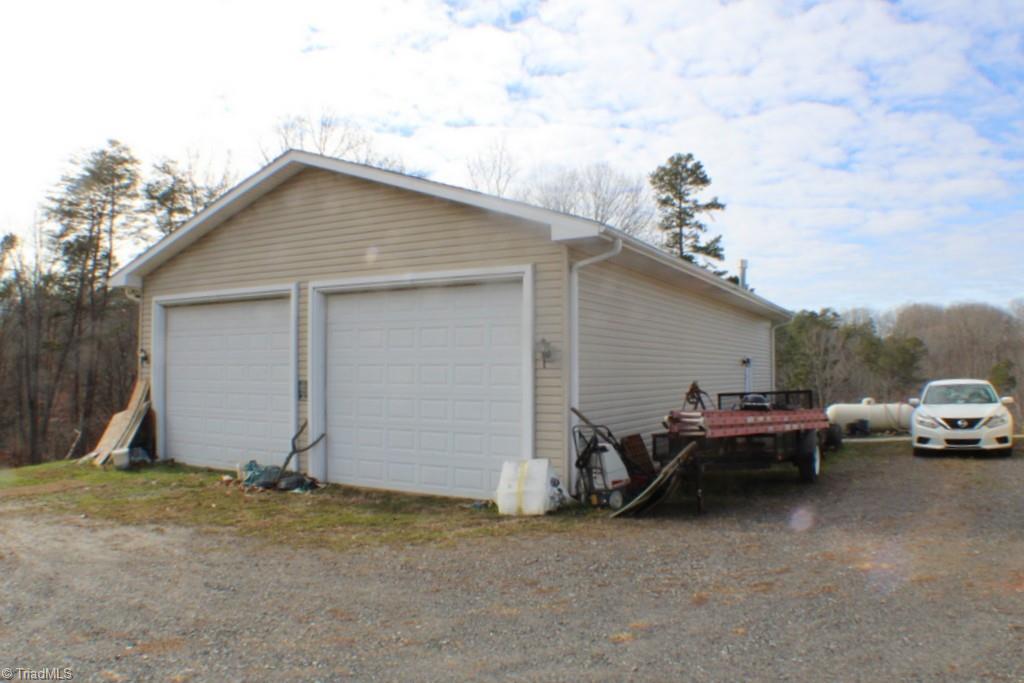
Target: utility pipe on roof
pixel 574 336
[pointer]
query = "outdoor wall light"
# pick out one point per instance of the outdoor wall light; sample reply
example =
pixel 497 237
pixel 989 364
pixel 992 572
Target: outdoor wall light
pixel 143 357
pixel 546 351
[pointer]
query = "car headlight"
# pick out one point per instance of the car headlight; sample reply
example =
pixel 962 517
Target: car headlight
pixel 996 421
pixel 927 422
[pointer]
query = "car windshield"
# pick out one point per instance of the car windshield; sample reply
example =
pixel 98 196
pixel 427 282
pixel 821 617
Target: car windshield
pixel 947 394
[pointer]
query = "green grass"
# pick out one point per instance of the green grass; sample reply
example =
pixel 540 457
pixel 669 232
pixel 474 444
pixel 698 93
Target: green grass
pixel 333 517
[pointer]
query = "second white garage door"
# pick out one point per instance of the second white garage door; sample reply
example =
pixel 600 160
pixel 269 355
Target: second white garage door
pixel 424 387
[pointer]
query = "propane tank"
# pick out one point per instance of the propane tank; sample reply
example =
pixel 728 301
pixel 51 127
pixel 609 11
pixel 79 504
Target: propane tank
pixel 881 417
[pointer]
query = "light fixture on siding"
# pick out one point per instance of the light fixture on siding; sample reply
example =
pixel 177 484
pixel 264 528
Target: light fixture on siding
pixel 546 351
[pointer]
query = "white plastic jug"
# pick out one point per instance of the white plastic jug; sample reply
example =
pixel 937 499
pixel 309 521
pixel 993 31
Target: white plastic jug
pixel 523 487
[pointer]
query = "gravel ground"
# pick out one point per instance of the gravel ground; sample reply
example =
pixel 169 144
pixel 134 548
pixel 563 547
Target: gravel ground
pixel 889 569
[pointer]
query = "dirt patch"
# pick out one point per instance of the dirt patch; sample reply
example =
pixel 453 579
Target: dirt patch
pixel 157 647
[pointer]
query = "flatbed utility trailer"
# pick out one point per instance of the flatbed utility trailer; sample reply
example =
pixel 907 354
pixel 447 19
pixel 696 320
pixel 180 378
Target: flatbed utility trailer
pixel 750 430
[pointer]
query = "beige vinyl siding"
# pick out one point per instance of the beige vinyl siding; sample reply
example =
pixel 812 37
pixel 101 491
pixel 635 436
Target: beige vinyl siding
pixel 321 225
pixel 643 341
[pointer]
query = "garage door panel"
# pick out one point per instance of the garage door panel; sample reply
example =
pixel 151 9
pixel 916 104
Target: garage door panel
pixel 435 442
pixel 470 337
pixel 505 336
pixel 433 476
pixel 228 381
pixel 414 378
pixel 402 440
pixel 472 411
pixel 506 412
pixel 504 445
pixel 402 473
pixel 433 409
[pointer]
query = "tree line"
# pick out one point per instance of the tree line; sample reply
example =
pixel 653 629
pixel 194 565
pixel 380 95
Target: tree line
pixel 889 356
pixel 67 340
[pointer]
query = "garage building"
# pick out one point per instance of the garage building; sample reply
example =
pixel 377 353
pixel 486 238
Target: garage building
pixel 431 331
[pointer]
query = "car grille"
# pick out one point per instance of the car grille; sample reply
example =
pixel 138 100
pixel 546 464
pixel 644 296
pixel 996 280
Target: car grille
pixel 962 442
pixel 961 422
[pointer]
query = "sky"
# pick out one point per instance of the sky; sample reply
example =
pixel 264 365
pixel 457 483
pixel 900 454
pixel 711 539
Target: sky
pixel 870 154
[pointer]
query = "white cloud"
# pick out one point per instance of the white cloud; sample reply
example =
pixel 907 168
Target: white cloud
pixel 862 147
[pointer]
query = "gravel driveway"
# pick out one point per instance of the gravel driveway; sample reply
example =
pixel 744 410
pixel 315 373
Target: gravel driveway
pixel 890 568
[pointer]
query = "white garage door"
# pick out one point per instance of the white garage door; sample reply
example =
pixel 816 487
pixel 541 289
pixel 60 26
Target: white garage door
pixel 228 383
pixel 424 387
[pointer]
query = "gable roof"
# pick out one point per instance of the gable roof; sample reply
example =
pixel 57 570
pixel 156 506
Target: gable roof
pixel 563 227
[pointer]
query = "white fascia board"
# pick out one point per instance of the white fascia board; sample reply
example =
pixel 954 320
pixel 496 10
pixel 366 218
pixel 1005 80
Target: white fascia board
pixel 565 230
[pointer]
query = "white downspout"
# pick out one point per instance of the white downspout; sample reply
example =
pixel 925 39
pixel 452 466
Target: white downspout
pixel 574 340
pixel 774 329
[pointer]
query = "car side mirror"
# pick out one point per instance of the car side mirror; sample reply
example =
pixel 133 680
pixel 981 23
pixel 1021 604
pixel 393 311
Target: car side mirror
pixel 1007 400
pixel 914 402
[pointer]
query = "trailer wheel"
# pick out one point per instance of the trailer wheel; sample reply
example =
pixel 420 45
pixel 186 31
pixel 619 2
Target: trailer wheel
pixel 809 458
pixel 834 437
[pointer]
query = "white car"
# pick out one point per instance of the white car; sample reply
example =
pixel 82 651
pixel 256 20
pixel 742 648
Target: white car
pixel 961 414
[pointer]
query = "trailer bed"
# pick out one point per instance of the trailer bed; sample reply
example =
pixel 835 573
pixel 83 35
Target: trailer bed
pixel 718 424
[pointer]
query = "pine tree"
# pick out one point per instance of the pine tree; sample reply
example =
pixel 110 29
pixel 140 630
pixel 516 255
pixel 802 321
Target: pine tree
pixel 92 210
pixel 676 185
pixel 175 193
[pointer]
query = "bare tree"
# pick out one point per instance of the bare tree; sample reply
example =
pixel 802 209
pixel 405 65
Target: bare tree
pixel 40 346
pixel 494 170
pixel 1017 308
pixel 330 135
pixel 555 188
pixel 596 191
pixel 968 340
pixel 616 198
pixel 964 340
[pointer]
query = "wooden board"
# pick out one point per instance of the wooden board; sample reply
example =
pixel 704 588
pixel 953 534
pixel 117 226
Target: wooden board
pixel 663 485
pixel 116 428
pixel 122 426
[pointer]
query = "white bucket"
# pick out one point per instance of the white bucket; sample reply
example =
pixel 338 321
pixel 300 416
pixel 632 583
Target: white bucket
pixel 122 459
pixel 523 487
